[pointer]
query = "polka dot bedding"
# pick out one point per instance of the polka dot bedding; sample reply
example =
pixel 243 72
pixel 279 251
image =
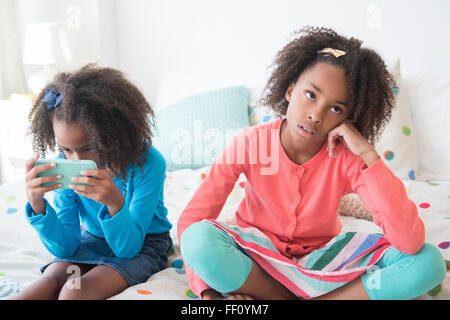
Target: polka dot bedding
pixel 22 254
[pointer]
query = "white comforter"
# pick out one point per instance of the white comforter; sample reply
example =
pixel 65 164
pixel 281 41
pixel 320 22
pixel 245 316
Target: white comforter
pixel 22 254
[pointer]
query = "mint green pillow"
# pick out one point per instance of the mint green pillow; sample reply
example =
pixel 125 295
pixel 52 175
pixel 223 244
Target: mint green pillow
pixel 192 132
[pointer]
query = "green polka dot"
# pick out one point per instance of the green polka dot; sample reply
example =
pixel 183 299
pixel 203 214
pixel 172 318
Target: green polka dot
pixel 10 198
pixel 388 155
pixel 2 274
pixel 433 183
pixel 406 131
pixel 395 90
pixel 188 293
pixel 435 291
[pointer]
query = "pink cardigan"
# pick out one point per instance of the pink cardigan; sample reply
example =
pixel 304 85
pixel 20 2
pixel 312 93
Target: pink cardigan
pixel 297 206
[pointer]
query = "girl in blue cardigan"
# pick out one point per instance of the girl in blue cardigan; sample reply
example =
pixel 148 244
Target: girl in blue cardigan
pixel 114 232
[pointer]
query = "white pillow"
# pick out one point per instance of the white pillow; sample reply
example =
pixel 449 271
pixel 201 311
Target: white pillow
pixel 397 145
pixel 430 100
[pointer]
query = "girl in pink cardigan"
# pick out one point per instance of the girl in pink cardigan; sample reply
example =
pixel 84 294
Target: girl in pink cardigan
pixel 333 98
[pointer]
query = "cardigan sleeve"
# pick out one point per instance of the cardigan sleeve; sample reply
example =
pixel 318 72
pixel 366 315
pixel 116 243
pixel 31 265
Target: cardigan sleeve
pixel 384 194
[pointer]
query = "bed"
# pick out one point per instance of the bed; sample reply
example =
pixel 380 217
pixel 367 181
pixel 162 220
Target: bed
pixel 22 253
pixel 407 147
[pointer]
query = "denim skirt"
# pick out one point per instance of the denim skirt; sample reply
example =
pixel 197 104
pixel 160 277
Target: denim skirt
pixel 96 251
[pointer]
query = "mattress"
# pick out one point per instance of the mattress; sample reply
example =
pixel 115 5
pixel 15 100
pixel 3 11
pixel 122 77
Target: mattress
pixel 22 254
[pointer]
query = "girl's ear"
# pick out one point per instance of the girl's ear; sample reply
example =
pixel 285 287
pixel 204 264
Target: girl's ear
pixel 288 93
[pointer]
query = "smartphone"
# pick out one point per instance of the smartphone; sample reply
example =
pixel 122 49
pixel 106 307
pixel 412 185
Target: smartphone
pixel 67 169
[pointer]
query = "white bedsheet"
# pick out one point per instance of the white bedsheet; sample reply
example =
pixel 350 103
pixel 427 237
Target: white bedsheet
pixel 22 254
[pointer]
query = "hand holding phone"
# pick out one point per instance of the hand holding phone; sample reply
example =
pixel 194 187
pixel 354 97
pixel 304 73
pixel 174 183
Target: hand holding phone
pixel 66 169
pixel 42 176
pixel 102 189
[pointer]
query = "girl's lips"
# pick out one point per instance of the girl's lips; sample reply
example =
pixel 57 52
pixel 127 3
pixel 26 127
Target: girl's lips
pixel 308 133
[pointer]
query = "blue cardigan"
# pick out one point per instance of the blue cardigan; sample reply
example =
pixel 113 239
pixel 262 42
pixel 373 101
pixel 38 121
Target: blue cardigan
pixel 143 212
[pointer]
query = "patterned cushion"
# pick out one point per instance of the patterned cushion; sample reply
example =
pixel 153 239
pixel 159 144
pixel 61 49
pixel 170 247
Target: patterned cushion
pixel 398 145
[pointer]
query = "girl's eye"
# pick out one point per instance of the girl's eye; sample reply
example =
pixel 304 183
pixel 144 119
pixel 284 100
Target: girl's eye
pixel 310 95
pixel 336 109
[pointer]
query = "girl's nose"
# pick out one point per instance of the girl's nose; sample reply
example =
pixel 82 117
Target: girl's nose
pixel 315 117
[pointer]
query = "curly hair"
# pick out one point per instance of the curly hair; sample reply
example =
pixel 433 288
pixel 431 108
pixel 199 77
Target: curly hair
pixel 370 83
pixel 115 114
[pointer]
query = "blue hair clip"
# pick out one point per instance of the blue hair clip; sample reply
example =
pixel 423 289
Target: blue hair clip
pixel 52 98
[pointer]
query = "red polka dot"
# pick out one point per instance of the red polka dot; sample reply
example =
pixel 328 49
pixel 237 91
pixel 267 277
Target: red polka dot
pixel 203 175
pixel 242 184
pixel 424 205
pixel 444 245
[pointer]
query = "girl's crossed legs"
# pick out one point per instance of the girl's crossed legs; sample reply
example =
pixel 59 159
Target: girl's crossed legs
pixel 94 282
pixel 215 257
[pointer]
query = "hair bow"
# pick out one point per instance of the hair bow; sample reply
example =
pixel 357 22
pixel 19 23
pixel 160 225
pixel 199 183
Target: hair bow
pixel 52 98
pixel 335 52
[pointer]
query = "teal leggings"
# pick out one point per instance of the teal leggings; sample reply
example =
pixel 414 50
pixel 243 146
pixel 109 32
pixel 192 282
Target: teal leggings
pixel 216 258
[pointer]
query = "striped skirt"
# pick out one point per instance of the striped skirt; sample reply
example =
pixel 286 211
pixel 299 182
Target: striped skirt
pixel 336 263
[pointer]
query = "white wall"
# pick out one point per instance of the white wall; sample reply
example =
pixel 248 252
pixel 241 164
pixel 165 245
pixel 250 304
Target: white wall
pixel 151 40
pixel 239 38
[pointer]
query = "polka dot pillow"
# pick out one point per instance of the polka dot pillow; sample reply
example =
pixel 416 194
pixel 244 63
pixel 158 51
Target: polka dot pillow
pixel 397 145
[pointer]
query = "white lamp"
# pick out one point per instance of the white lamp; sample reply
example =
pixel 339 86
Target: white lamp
pixel 40 49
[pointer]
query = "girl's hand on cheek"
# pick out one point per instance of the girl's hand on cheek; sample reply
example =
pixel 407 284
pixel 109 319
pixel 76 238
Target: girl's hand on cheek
pixel 101 188
pixel 347 134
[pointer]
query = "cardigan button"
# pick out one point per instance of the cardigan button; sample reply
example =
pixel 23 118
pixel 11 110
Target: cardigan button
pixel 300 171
